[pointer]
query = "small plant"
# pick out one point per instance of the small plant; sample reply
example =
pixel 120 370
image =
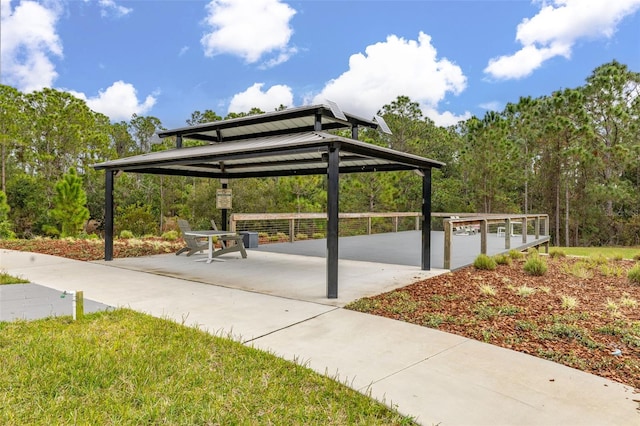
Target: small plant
pixel 580 270
pixel 535 265
pixel 170 235
pixel 556 252
pixel 264 235
pixel 634 274
pixel 274 238
pixel 545 289
pixel 525 291
pixel 598 259
pixel 568 302
pixel 515 254
pixel 485 262
pixel 126 234
pixel 611 270
pixel 611 305
pixel 628 302
pixel 617 257
pixel 532 251
pixel 636 257
pixel 302 237
pixel 318 235
pixel 487 290
pixel 502 259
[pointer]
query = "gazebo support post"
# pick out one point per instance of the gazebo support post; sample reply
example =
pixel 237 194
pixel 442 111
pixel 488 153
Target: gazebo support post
pixel 426 219
pixel 108 214
pixel 333 185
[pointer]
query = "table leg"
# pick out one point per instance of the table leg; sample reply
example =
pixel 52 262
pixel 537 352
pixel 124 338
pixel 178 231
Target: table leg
pixel 210 258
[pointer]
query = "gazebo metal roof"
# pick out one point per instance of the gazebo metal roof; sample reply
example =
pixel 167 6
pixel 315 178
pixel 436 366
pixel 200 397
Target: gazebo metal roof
pixel 284 155
pixel 290 142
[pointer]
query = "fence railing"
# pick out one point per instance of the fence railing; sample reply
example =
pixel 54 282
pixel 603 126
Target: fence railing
pixel 283 227
pixel 500 224
pixel 280 227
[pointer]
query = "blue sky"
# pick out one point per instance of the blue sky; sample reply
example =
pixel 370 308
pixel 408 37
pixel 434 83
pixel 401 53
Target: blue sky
pixel 168 58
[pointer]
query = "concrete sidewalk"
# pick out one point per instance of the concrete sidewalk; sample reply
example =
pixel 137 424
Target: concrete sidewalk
pixel 437 377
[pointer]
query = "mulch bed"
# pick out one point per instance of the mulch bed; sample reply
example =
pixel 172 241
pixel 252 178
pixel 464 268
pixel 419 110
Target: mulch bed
pixel 536 315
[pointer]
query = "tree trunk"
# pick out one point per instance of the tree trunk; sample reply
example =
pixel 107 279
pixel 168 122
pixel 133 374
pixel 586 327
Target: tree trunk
pixel 566 218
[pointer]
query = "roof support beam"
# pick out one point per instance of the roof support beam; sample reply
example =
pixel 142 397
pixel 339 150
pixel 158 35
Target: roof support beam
pixel 333 185
pixel 426 220
pixel 108 214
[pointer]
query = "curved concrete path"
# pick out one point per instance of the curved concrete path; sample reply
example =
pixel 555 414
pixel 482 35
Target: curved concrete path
pixel 436 377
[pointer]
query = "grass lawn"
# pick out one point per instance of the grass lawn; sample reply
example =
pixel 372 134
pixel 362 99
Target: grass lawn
pixel 609 252
pixel 9 279
pixel 123 367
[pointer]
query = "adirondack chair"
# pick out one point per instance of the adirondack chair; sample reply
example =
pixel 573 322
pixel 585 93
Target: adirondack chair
pixel 194 244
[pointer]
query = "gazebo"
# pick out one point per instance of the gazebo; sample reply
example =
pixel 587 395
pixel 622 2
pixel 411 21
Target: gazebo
pixel 290 142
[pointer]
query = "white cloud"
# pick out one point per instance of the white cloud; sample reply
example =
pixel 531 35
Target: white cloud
pixel 396 67
pixel 249 29
pixel 267 101
pixel 554 31
pixel 29 42
pixel 183 50
pixel 491 106
pixel 118 102
pixel 109 8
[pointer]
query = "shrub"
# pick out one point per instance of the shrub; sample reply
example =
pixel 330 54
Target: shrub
pixel 485 262
pixel 535 265
pixel 515 254
pixel 556 252
pixel 126 234
pixel 502 259
pixel 302 237
pixel 569 302
pixel 318 235
pixel 532 251
pixel 138 219
pixel 487 290
pixel 170 235
pixel 636 257
pixel 634 274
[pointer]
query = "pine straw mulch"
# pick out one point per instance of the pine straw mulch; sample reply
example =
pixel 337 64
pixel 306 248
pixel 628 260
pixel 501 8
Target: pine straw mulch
pixel 580 313
pixel 93 249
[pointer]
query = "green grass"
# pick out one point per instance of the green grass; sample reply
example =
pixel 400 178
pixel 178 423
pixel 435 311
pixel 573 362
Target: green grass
pixel 609 252
pixel 10 279
pixel 122 367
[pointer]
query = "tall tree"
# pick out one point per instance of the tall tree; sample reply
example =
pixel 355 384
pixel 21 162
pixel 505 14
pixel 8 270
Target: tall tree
pixel 69 204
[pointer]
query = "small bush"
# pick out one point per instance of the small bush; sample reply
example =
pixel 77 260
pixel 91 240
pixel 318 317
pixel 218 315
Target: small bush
pixel 532 251
pixel 535 265
pixel 318 235
pixel 525 291
pixel 485 262
pixel 556 252
pixel 502 259
pixel 487 290
pixel 302 237
pixel 274 238
pixel 636 257
pixel 515 254
pixel 170 235
pixel 569 302
pixel 634 274
pixel 126 234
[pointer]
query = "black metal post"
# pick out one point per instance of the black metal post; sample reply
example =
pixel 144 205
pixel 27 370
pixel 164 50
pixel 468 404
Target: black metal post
pixel 108 214
pixel 426 220
pixel 179 141
pixel 333 177
pixel 225 227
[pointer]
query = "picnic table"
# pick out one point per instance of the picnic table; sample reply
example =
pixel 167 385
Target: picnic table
pixel 229 237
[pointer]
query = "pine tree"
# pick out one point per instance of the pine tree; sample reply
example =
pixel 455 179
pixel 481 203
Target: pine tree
pixel 70 204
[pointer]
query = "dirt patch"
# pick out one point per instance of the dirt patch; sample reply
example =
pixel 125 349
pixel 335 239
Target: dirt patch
pixel 584 313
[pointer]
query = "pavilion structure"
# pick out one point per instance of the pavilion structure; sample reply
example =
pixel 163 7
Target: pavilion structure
pixel 291 142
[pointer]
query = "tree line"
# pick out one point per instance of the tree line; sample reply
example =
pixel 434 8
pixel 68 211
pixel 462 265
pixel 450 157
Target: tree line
pixel 573 154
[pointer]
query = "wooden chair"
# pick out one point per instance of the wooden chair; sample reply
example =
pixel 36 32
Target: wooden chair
pixel 194 244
